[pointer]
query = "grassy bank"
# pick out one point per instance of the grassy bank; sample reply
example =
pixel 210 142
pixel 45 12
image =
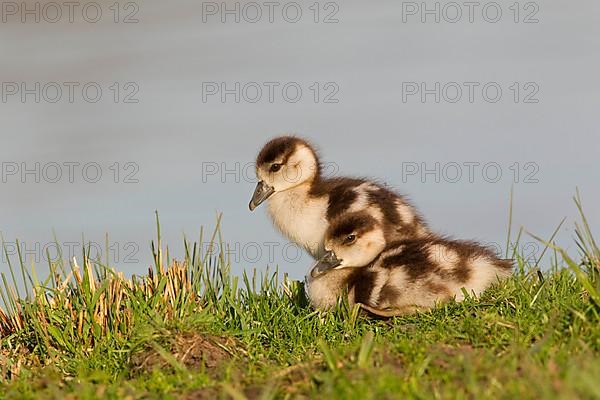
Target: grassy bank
pixel 190 329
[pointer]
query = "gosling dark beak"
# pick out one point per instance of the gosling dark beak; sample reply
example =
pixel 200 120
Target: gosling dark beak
pixel 261 193
pixel 328 262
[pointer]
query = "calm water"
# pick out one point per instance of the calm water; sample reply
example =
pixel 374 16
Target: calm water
pixel 168 113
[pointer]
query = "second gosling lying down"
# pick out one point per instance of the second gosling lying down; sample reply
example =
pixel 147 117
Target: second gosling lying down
pixel 401 277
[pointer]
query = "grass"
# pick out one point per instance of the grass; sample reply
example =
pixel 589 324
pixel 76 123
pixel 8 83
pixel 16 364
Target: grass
pixel 191 330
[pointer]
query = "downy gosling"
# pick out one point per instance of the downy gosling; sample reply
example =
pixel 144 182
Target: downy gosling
pixel 400 277
pixel 301 202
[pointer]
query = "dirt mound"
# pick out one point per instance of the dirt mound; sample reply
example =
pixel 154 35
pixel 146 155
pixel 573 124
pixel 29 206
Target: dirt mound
pixel 192 351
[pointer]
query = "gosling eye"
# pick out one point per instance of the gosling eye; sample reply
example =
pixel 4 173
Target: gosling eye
pixel 275 167
pixel 350 239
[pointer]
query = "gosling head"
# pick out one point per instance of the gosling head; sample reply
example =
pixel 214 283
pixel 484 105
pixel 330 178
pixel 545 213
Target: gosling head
pixel 352 240
pixel 283 163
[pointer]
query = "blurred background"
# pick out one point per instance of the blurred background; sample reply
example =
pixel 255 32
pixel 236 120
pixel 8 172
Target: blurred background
pixel 112 110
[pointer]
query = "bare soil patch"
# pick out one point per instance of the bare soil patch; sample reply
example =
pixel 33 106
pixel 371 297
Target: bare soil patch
pixel 194 351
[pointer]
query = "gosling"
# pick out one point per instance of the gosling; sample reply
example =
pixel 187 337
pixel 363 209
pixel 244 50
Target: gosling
pixel 401 277
pixel 302 203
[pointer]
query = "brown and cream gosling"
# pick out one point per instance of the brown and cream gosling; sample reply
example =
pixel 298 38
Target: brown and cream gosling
pixel 302 203
pixel 400 277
